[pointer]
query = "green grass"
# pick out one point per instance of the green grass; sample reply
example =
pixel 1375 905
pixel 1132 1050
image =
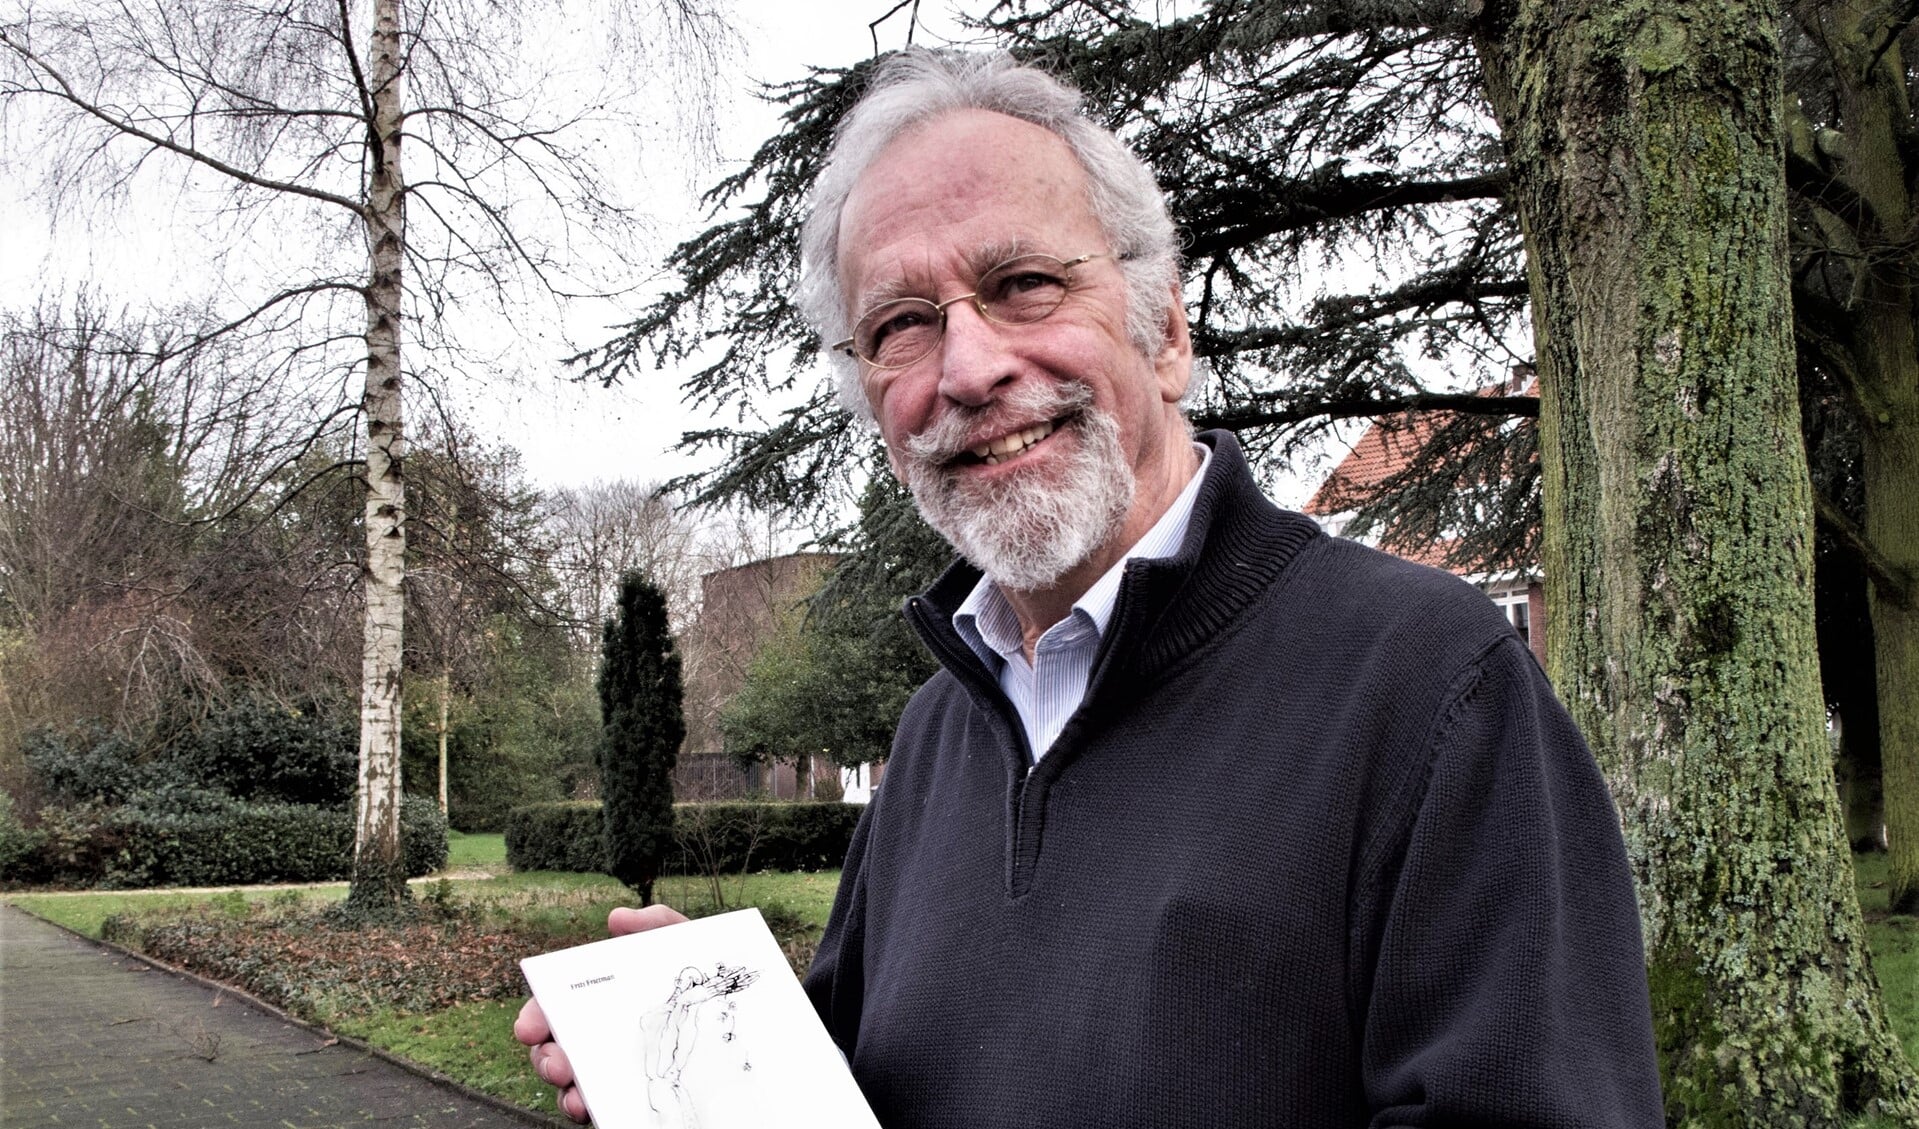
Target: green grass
pixel 570 908
pixel 1895 952
pixel 479 851
pixel 471 1042
pixel 84 912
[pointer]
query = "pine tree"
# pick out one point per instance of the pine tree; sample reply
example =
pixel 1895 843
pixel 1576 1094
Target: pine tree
pixel 641 730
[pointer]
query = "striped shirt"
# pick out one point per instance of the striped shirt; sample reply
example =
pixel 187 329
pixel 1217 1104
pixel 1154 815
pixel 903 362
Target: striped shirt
pixel 1046 691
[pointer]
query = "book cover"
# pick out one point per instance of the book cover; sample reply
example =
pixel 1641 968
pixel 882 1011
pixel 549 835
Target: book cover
pixel 700 1025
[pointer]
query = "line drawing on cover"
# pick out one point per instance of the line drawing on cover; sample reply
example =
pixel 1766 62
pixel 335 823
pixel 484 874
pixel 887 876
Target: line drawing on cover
pixel 669 1033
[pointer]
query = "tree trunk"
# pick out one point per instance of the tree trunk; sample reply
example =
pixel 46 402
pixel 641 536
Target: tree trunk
pixel 446 702
pixel 1648 172
pixel 1892 524
pixel 1874 115
pixel 379 876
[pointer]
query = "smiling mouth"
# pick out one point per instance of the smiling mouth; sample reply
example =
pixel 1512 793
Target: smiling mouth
pixel 1014 444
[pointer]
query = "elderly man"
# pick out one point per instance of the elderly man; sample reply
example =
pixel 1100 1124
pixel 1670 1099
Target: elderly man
pixel 1209 819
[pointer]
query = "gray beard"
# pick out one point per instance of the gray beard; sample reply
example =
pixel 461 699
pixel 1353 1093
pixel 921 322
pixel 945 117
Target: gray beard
pixel 1024 534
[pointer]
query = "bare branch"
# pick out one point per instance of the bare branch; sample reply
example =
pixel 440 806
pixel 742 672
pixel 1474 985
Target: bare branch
pixel 68 94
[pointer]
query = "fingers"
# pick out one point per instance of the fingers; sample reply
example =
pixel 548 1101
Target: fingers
pixel 623 921
pixel 530 1026
pixel 551 1066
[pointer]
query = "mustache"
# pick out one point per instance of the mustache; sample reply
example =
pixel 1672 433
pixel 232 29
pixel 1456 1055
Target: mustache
pixel 954 434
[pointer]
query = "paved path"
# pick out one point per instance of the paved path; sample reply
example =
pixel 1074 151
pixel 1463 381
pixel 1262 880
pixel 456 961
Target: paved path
pixel 90 1037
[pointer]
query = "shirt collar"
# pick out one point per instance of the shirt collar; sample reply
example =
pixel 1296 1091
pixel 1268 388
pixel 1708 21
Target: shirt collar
pixel 986 621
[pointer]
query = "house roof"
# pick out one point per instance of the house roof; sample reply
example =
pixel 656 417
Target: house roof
pixel 1389 445
pixel 1383 451
pixel 1387 448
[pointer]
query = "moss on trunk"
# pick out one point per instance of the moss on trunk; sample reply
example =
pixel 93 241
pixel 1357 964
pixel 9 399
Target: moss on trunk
pixel 1645 146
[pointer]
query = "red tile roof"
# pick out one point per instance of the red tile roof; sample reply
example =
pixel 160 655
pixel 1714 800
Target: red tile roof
pixel 1388 446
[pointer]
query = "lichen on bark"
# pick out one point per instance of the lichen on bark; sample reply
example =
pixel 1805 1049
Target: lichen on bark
pixel 1645 144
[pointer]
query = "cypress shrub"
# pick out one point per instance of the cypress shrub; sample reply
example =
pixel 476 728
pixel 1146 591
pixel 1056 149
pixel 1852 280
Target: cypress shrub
pixel 640 732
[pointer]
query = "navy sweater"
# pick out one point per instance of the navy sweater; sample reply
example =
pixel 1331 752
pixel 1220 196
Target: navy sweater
pixel 1319 848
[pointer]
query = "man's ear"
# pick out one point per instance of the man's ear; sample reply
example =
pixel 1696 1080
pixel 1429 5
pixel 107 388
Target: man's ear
pixel 1173 364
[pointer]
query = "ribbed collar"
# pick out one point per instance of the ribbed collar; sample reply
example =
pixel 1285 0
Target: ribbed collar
pixel 994 632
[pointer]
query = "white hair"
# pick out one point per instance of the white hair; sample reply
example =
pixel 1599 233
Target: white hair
pixel 917 85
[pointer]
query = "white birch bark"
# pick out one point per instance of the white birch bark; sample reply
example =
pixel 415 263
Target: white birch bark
pixel 378 876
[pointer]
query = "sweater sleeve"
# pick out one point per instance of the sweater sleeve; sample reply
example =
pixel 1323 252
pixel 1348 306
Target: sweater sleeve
pixel 1500 979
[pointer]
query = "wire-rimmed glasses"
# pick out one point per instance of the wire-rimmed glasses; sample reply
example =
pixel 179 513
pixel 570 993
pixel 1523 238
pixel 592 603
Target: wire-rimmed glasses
pixel 1019 291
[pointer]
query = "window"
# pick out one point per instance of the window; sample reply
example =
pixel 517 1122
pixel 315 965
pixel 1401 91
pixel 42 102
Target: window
pixel 1518 611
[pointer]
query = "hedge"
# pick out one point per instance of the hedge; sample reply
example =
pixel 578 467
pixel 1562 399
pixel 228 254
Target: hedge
pixel 229 844
pixel 708 837
pixel 556 836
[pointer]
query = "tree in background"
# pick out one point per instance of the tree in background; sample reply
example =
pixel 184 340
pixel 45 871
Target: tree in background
pixel 641 730
pixel 141 574
pixel 1852 164
pixel 478 573
pixel 1648 174
pixel 178 569
pixel 836 674
pixel 300 115
pixel 606 529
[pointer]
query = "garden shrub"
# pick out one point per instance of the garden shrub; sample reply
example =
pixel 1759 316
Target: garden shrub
pixel 259 749
pixel 19 844
pixel 708 837
pixel 186 838
pixel 94 765
pixel 422 836
pixel 564 835
pixel 729 837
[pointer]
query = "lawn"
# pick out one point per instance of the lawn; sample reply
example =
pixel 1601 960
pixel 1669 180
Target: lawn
pixel 479 851
pixel 1895 952
pixel 518 913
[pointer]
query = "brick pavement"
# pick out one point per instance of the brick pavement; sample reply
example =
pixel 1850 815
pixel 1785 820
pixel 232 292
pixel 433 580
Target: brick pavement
pixel 91 1037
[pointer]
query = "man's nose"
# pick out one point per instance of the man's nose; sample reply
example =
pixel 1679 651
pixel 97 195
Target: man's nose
pixel 974 359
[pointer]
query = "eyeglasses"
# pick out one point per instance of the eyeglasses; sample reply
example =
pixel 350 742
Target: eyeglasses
pixel 1019 291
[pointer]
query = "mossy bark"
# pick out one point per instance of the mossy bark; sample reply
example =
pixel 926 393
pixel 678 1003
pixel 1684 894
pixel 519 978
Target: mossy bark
pixel 1645 144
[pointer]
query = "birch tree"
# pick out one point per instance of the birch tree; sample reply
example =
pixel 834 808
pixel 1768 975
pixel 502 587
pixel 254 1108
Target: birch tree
pixel 379 166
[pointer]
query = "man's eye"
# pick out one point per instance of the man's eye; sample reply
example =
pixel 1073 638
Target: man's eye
pixel 892 322
pixel 1015 284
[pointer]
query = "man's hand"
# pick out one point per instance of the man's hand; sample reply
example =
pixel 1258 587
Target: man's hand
pixel 549 1061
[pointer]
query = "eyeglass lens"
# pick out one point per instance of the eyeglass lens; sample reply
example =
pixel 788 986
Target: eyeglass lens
pixel 1018 292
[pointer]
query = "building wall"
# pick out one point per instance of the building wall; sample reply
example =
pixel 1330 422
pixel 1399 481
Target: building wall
pixel 740 607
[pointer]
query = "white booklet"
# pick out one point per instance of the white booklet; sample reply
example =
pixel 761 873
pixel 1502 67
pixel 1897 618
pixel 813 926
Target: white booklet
pixel 695 1026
